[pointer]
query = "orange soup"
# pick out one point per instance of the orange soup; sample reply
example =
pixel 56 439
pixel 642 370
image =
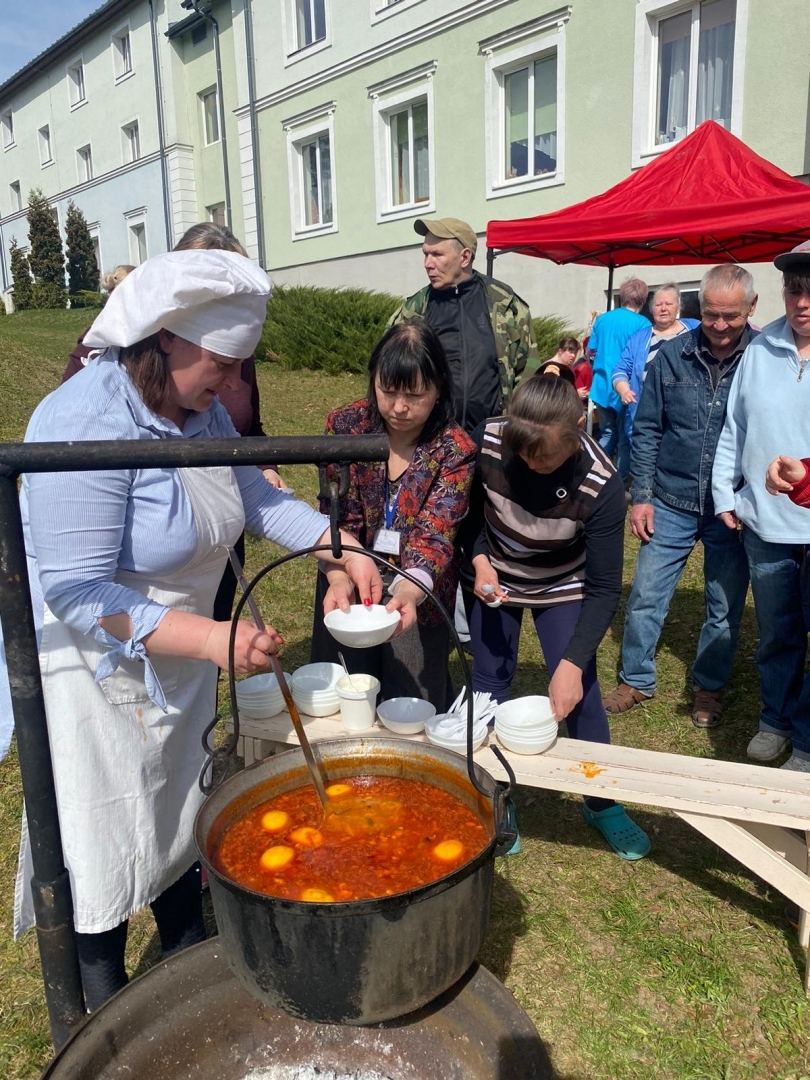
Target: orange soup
pixel 380 836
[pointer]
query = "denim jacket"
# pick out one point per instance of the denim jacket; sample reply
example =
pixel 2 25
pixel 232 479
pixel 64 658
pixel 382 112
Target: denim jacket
pixel 677 427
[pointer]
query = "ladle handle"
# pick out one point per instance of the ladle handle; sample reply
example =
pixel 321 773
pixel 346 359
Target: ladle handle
pixel 292 708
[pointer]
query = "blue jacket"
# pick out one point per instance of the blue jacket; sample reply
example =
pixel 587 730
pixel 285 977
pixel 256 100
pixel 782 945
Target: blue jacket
pixel 631 367
pixel 677 427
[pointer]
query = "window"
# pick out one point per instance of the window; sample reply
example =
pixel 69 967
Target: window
pixel 16 196
pixel 97 250
pixel 688 68
pixel 403 144
pixel 137 243
pixel 45 155
pixel 76 84
pixel 122 54
pixel 310 22
pixel 525 108
pixel 131 140
pixel 216 213
pixel 199 33
pixel 381 9
pixel 84 157
pixel 7 124
pixel 210 115
pixel 310 158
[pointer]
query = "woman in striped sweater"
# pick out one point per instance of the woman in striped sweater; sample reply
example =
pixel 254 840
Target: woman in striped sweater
pixel 545 531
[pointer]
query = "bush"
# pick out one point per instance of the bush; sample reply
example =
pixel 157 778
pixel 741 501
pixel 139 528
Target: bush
pixel 47 259
pixel 21 276
pixel 548 330
pixel 87 298
pixel 81 256
pixel 331 330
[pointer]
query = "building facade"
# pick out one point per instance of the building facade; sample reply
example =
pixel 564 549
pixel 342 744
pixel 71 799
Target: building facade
pixel 321 129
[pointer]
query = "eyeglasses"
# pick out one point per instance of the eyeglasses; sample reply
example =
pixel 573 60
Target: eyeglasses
pixel 730 317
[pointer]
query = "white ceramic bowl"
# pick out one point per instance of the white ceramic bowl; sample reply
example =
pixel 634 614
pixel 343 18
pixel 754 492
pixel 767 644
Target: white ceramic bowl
pixel 260 712
pixel 459 745
pixel 321 706
pixel 534 744
pixel 361 627
pixel 316 679
pixel 259 685
pixel 405 715
pixel 524 714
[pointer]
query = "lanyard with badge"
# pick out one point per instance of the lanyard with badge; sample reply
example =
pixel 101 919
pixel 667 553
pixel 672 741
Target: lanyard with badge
pixel 387 539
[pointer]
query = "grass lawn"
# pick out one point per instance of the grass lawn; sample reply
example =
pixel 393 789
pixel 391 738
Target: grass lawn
pixel 680 967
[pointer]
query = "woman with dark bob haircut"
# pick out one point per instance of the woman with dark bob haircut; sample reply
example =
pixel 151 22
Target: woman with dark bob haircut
pixel 545 532
pixel 407 508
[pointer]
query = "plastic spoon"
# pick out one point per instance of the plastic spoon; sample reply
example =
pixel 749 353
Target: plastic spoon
pixel 348 676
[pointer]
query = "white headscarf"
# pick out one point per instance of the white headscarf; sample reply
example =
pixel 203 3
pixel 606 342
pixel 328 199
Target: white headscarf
pixel 215 299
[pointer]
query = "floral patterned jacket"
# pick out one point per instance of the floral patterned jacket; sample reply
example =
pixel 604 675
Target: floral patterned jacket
pixel 432 502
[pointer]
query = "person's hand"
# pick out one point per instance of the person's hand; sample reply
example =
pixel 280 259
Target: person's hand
pixel 273 476
pixel 565 689
pixel 628 397
pixel 583 393
pixel 641 522
pixel 363 573
pixel 405 597
pixel 729 519
pixel 251 648
pixel 485 575
pixel 783 472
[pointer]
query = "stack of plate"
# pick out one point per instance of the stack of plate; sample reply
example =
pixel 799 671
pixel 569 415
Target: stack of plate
pixel 314 688
pixel 259 696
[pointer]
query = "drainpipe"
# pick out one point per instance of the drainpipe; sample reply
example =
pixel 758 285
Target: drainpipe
pixel 167 210
pixel 254 133
pixel 221 102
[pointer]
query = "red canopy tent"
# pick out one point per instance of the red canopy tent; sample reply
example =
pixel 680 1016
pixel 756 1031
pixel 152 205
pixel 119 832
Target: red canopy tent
pixel 708 199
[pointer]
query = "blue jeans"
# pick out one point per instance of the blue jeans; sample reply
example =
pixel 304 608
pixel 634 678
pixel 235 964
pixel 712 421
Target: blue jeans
pixel 780 583
pixel 658 570
pixel 613 438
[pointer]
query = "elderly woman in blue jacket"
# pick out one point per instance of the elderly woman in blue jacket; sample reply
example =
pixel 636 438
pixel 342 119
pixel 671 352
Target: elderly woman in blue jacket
pixel 628 375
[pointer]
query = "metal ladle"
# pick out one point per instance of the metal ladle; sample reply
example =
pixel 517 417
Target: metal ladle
pixel 292 708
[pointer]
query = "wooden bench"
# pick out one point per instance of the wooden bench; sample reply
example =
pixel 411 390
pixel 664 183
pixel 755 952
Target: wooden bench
pixel 759 815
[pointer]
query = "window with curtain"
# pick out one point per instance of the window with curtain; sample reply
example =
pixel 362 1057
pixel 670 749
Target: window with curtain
pixel 409 152
pixel 316 161
pixel 530 119
pixel 694 84
pixel 310 21
pixel 210 112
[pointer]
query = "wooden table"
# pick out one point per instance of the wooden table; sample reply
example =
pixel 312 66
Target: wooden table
pixel 759 815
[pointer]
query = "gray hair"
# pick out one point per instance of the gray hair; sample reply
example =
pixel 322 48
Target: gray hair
pixel 726 277
pixel 670 286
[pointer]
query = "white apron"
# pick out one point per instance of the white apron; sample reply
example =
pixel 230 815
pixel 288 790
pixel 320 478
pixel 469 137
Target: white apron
pixel 125 771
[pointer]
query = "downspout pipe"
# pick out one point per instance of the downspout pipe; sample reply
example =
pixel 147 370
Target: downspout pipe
pixel 254 132
pixel 221 104
pixel 164 179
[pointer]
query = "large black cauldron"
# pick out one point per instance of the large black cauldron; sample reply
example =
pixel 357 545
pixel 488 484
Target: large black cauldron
pixel 365 961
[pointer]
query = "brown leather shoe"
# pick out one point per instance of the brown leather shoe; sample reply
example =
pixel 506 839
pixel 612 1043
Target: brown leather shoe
pixel 707 710
pixel 623 699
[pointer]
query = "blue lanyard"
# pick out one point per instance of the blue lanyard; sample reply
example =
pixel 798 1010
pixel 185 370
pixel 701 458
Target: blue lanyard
pixel 390 507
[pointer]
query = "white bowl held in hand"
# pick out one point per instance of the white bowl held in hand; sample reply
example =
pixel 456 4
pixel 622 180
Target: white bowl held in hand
pixel 405 715
pixel 524 714
pixel 361 627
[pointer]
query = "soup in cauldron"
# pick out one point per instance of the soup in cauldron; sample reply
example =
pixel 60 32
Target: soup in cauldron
pixel 380 835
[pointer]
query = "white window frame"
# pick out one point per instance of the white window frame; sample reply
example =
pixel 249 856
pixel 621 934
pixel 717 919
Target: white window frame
pixel 44 162
pixel 126 141
pixel 391 97
pixel 84 165
pixel 509 52
pixel 293 52
pixel 119 74
pixel 15 195
pixel 645 71
pixel 202 95
pixel 94 228
pixel 384 9
pixel 7 124
pixel 302 130
pixel 213 210
pixel 136 219
pixel 77 87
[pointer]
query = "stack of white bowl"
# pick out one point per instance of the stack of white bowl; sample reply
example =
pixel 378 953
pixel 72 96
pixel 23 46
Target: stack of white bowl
pixel 314 688
pixel 259 696
pixel 526 725
pixel 450 731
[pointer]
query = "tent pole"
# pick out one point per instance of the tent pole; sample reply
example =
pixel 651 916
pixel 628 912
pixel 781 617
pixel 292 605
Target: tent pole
pixel 610 285
pixel 490 261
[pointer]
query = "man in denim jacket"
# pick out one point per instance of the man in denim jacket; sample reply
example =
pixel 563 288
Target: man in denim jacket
pixel 677 427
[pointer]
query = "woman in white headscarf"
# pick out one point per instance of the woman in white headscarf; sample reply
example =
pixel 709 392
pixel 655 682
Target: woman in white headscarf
pixel 124 566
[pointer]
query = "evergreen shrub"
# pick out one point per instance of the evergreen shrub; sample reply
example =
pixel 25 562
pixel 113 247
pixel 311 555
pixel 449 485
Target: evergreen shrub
pixel 87 298
pixel 83 274
pixel 331 330
pixel 548 330
pixel 21 276
pixel 47 259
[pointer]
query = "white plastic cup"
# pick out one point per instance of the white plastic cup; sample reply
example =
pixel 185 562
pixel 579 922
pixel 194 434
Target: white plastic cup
pixel 358 701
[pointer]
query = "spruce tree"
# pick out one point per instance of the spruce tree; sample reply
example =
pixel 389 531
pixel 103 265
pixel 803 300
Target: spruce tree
pixel 21 275
pixel 81 256
pixel 47 259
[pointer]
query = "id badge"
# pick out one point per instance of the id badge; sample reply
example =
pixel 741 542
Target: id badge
pixel 386 542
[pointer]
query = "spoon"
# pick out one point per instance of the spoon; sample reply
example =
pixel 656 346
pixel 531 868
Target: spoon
pixel 345 668
pixel 309 757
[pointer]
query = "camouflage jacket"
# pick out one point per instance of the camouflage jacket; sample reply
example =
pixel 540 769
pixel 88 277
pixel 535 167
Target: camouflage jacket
pixel 511 325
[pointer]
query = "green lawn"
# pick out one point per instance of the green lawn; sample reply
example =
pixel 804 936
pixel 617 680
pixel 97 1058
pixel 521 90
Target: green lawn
pixel 680 967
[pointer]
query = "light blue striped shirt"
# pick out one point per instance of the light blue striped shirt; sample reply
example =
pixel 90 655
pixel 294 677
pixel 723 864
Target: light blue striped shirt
pixel 80 528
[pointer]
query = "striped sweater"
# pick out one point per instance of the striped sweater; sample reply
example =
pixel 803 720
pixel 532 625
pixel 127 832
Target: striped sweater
pixel 552 539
